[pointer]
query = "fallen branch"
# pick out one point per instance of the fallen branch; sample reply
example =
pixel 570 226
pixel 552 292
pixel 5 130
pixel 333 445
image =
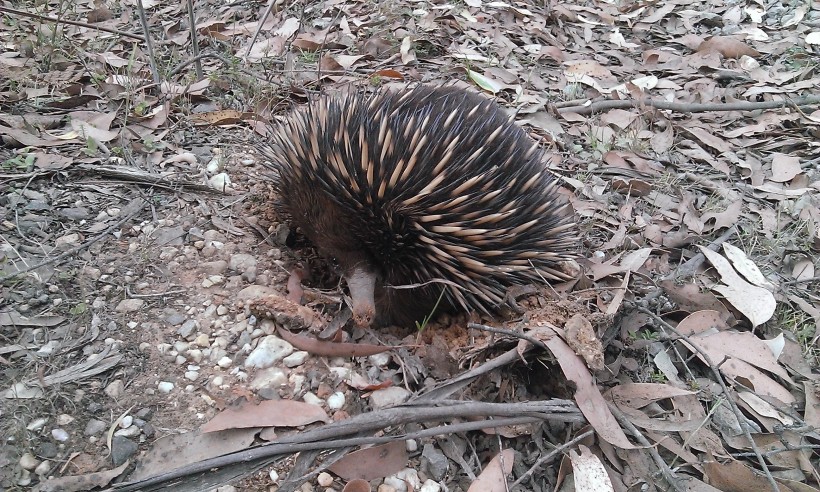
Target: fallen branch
pixel 55 20
pixel 603 105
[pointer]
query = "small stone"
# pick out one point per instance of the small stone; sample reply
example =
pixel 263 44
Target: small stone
pixel 224 362
pixel 175 319
pixel 214 268
pixel 270 350
pixel 295 359
pixel 43 468
pixel 380 360
pixel 221 310
pixel 412 445
pixel 336 401
pixel 434 461
pixel 64 243
pixel 324 479
pixel 37 424
pixel 241 262
pixel 274 476
pixel 59 435
pixel 386 488
pixel 47 449
pixel 388 397
pixel 129 305
pixel 91 272
pixel 187 329
pixel 25 478
pixel 195 355
pixel 132 431
pixel 94 427
pixel 272 377
pixel 407 479
pixel 28 461
pixel 165 387
pixel 115 389
pixel 202 340
pixel 126 422
pixel 64 419
pixel 312 399
pixel 430 486
pixel 122 448
pixel 191 375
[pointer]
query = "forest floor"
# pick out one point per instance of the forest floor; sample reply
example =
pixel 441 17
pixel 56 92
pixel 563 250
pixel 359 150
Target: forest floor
pixel 142 260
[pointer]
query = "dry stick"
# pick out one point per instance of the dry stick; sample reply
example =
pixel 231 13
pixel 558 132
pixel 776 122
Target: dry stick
pixel 261 22
pixel 331 435
pixel 194 42
pixel 152 59
pixel 72 23
pixel 552 454
pixel 81 247
pixel 538 343
pixel 688 107
pixel 667 473
pixel 688 268
pixel 716 372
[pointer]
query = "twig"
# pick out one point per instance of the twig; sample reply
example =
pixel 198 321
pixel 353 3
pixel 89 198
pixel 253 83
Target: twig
pixel 259 25
pixel 667 472
pixel 194 41
pixel 72 23
pixel 152 59
pixel 515 334
pixel 332 435
pixel 552 454
pixel 716 373
pixel 81 247
pixel 688 107
pixel 687 269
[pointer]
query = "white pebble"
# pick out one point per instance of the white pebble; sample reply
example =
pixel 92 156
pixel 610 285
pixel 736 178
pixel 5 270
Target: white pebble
pixel 59 435
pixel 274 476
pixel 312 399
pixel 165 387
pixel 324 479
pixel 126 422
pixel 430 486
pixel 28 461
pixel 411 445
pixel 336 400
pixel 191 375
pixel 295 359
pixel 224 362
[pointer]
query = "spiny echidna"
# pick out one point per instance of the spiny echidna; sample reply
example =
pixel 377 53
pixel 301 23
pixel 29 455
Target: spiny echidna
pixel 434 187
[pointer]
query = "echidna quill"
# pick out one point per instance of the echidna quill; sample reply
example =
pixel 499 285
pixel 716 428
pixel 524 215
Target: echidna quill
pixel 432 188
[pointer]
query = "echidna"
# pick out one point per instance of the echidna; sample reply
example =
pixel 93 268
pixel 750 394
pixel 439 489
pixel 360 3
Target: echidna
pixel 433 188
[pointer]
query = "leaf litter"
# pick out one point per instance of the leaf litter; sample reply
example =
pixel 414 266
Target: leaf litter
pixel 138 234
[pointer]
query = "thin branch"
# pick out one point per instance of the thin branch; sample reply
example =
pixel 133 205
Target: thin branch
pixel 194 41
pixel 55 20
pixel 594 107
pixel 152 58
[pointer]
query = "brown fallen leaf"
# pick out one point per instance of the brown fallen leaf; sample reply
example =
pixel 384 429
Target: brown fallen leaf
pixel 494 476
pixel 82 482
pixel 727 46
pixel 581 337
pixel 372 463
pixel 269 413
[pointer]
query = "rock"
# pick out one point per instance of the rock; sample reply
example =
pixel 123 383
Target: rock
pixel 115 389
pixel 175 318
pixel 28 461
pixel 122 448
pixel 217 267
pixel 336 401
pixel 165 387
pixel 295 359
pixel 388 397
pixel 94 427
pixel 47 449
pixel 435 462
pixel 272 377
pixel 65 243
pixel 129 305
pixel 187 329
pixel 241 262
pixel 59 435
pixel 430 486
pixel 270 350
pixel 312 399
pixel 407 479
pixel 324 479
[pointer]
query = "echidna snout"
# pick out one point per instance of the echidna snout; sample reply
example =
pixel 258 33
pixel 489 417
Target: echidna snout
pixel 433 188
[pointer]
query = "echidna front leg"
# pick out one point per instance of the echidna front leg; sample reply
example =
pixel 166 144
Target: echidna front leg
pixel 362 284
